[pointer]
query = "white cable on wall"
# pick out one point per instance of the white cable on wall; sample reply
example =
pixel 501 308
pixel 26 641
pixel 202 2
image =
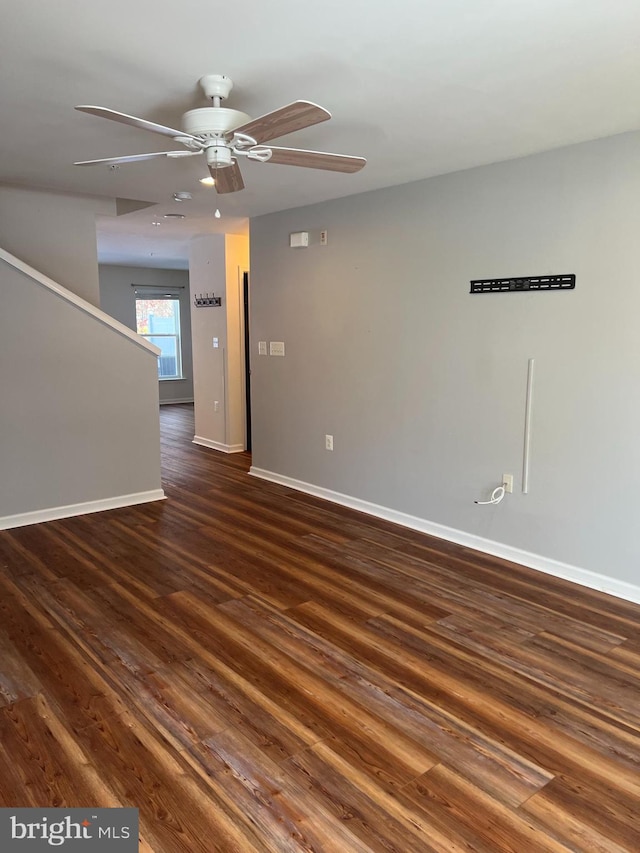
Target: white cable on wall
pixel 496 496
pixel 527 426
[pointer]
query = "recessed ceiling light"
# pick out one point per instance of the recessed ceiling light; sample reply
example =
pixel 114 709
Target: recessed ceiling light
pixel 174 216
pixel 208 182
pixel 182 196
pixel 155 222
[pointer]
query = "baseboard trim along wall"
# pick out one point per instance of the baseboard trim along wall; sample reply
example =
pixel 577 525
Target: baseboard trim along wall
pixel 56 512
pixel 584 577
pixel 217 445
pixel 177 400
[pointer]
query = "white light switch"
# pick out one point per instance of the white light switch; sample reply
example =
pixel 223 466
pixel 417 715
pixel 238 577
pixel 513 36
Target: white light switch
pixel 262 347
pixel 276 347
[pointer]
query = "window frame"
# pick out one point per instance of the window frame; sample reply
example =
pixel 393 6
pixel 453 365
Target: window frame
pixel 177 336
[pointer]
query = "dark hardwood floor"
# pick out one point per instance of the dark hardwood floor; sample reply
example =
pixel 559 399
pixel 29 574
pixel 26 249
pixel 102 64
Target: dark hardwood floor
pixel 258 670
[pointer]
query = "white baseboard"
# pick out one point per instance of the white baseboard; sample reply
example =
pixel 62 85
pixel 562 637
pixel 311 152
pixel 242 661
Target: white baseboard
pixel 173 402
pixel 53 513
pixel 217 445
pixel 584 577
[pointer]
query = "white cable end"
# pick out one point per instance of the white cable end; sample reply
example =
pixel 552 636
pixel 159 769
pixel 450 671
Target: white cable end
pixel 496 496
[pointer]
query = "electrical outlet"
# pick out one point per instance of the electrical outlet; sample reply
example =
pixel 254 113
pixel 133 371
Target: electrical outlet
pixel 507 482
pixel 216 406
pixel 323 238
pixel 328 442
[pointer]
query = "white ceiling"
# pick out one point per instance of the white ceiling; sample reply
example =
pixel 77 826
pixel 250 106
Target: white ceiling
pixel 419 87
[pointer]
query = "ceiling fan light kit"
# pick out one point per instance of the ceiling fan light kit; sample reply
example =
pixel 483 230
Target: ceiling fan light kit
pixel 224 135
pixel 218 155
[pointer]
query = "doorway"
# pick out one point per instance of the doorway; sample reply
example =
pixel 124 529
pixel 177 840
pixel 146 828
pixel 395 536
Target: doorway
pixel 247 361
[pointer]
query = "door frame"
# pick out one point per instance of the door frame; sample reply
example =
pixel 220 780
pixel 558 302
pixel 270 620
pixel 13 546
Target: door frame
pixel 247 358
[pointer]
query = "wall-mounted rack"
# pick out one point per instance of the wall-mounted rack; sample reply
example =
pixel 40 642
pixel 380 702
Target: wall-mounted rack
pixel 523 283
pixel 207 300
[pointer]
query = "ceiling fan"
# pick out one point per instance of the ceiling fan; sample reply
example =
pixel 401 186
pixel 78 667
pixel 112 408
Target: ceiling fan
pixel 223 135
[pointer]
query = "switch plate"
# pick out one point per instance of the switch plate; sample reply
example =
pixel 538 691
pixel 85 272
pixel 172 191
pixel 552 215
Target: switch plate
pixel 215 343
pixel 216 406
pixel 323 238
pixel 262 347
pixel 276 347
pixel 507 482
pixel 328 442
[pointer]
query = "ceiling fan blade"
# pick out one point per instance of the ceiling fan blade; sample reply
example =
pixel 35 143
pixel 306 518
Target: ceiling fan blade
pixel 228 179
pixel 316 160
pixel 295 116
pixel 123 118
pixel 136 158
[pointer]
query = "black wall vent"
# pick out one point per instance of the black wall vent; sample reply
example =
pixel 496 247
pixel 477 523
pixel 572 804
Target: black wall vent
pixel 529 282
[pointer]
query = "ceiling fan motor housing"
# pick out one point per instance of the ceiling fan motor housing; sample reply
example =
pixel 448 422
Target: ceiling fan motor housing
pixel 212 121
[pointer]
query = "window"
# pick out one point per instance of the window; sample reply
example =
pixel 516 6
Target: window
pixel 158 320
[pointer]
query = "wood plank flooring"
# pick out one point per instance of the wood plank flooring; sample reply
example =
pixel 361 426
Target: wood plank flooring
pixel 257 670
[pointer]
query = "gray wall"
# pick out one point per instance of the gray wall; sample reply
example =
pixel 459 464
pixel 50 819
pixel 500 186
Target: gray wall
pixel 79 415
pixel 56 234
pixel 423 385
pixel 117 298
pixel 207 275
